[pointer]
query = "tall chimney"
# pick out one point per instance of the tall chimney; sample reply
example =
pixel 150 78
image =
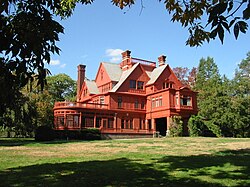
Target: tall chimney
pixel 126 60
pixel 126 54
pixel 161 60
pixel 80 79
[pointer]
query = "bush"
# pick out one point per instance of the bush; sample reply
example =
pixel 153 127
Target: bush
pixel 44 133
pixel 84 134
pixel 198 127
pixel 90 134
pixel 176 126
pixel 195 126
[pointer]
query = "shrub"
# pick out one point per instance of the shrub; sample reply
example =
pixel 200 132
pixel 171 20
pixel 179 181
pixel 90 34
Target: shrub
pixel 195 126
pixel 44 133
pixel 90 134
pixel 198 127
pixel 84 134
pixel 176 126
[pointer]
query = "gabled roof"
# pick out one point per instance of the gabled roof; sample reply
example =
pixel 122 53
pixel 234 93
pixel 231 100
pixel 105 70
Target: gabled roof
pixel 124 76
pixel 113 70
pixel 156 73
pixel 92 87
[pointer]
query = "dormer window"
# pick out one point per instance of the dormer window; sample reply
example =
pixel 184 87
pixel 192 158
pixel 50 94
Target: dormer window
pixel 132 84
pixel 139 85
pixel 167 85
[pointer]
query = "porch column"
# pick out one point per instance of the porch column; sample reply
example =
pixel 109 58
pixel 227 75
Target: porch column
pixel 94 120
pixel 169 120
pixel 115 123
pixel 146 124
pixel 65 119
pixel 80 121
pixel 153 124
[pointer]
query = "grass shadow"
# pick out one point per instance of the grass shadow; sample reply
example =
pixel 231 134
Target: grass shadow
pixel 229 165
pixel 9 142
pixel 117 172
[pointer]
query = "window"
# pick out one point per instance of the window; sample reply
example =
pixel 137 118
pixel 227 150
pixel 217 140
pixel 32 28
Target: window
pixel 76 121
pixel 186 101
pixel 156 102
pixel 127 123
pixel 60 120
pixel 110 123
pixel 153 102
pixel 119 102
pixel 140 85
pixel 142 105
pixel 160 101
pixel 131 124
pixel 142 124
pixel 101 101
pixel 122 123
pixel 136 104
pixel 98 122
pixel 167 85
pixel 132 84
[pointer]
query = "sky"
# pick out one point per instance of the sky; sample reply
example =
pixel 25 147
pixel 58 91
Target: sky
pixel 101 31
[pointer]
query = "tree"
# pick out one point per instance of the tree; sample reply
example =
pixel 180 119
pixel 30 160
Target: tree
pixel 223 103
pixel 28 36
pixel 186 76
pixel 241 98
pixel 61 87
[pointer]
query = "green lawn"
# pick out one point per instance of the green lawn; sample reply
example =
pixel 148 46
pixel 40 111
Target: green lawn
pixel 141 162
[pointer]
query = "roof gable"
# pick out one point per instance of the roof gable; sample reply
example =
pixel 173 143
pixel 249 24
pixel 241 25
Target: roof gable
pixel 164 73
pixel 155 74
pixel 92 87
pixel 113 70
pixel 124 76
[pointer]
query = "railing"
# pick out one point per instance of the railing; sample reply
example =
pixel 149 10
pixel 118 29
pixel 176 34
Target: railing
pixel 82 105
pixel 137 91
pixel 186 107
pixel 141 61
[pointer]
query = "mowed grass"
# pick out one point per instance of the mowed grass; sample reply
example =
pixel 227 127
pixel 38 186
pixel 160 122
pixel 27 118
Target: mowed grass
pixel 140 162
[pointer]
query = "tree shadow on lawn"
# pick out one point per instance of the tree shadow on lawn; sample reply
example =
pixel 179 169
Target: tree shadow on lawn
pixel 229 165
pixel 9 142
pixel 126 172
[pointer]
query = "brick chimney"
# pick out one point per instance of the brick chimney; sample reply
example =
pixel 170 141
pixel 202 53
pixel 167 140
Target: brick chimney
pixel 162 60
pixel 126 54
pixel 126 60
pixel 80 79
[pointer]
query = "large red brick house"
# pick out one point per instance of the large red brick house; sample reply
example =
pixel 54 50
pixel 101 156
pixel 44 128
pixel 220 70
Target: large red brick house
pixel 134 97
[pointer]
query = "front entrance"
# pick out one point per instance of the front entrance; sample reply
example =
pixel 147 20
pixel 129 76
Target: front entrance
pixel 161 125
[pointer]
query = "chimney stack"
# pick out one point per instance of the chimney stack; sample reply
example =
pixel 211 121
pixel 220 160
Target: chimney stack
pixel 126 60
pixel 162 60
pixel 80 79
pixel 126 54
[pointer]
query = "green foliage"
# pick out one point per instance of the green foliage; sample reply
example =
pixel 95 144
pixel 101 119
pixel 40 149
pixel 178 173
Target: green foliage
pixel 84 134
pixel 61 87
pixel 195 126
pixel 44 133
pixel 176 126
pixel 28 35
pixel 224 104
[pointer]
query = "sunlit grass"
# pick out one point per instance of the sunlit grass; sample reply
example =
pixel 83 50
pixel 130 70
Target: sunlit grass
pixel 140 162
